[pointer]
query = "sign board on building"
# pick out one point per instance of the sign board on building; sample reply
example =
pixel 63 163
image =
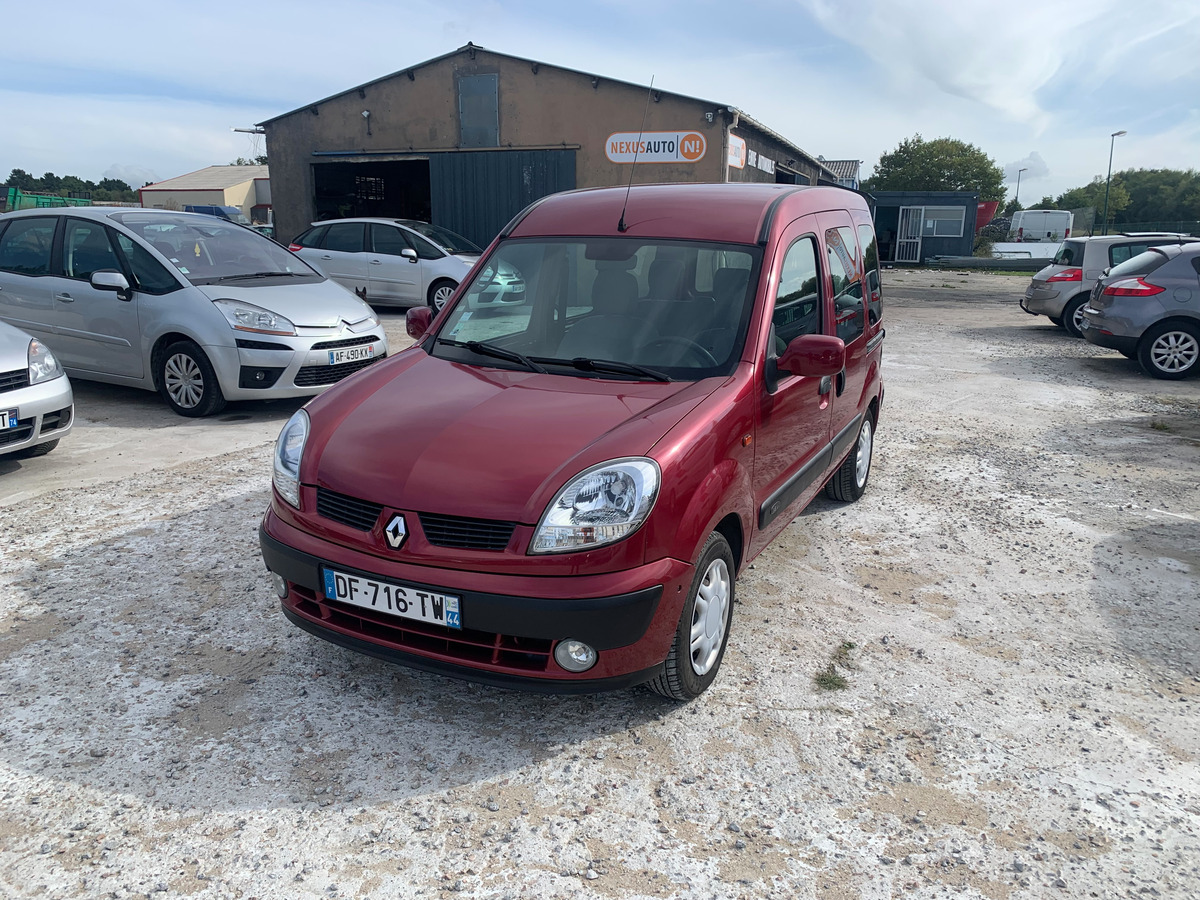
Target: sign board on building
pixel 655 147
pixel 737 152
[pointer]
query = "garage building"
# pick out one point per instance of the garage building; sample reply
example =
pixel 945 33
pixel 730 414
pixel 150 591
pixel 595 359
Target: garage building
pixel 469 139
pixel 246 187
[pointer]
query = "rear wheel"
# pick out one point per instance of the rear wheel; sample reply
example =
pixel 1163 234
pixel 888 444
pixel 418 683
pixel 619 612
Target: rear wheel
pixel 1170 350
pixel 1072 315
pixel 187 381
pixel 703 631
pixel 1057 320
pixel 440 293
pixel 849 482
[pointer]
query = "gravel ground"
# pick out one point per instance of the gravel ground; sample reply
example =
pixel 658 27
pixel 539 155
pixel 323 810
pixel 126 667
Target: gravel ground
pixel 1012 608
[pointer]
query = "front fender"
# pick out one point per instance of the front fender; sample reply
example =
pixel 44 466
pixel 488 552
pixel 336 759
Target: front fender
pixel 722 492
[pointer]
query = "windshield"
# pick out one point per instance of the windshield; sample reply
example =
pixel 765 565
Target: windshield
pixel 606 308
pixel 443 237
pixel 207 249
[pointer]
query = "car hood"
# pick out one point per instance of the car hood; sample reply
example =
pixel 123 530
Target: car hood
pixel 437 436
pixel 322 304
pixel 14 348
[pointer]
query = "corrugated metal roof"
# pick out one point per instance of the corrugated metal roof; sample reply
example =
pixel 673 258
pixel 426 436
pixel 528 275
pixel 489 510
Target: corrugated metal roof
pixel 212 178
pixel 842 168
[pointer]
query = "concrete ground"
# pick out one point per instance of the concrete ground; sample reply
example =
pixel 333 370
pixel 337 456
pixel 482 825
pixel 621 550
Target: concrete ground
pixel 981 680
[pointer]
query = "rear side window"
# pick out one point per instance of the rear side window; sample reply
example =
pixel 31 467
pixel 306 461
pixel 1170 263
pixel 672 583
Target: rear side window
pixel 842 253
pixel 798 300
pixel 866 237
pixel 149 275
pixel 312 237
pixel 25 246
pixel 87 249
pixel 1070 254
pixel 345 237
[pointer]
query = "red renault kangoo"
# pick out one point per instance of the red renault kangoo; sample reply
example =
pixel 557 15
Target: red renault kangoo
pixel 559 494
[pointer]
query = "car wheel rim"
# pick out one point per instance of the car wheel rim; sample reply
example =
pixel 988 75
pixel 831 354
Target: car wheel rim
pixel 1175 351
pixel 862 458
pixel 184 380
pixel 710 617
pixel 1077 318
pixel 441 295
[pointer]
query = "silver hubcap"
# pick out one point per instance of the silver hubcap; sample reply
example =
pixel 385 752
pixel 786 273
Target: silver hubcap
pixel 710 616
pixel 441 295
pixel 1175 351
pixel 862 454
pixel 1077 317
pixel 184 380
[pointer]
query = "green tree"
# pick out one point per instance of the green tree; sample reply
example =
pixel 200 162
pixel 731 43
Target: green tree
pixel 113 184
pixel 21 179
pixel 256 161
pixel 1159 195
pixel 49 182
pixel 944 164
pixel 1092 195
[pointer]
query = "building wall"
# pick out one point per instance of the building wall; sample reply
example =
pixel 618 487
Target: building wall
pixel 176 200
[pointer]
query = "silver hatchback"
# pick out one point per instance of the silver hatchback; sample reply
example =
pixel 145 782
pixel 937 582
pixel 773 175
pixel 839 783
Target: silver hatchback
pixel 200 309
pixel 36 404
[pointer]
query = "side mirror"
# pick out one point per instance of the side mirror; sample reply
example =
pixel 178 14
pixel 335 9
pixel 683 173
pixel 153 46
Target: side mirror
pixel 417 320
pixel 111 280
pixel 814 355
pixel 409 254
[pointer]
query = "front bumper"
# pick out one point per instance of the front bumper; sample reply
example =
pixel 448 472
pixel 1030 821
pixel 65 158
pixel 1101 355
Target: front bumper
pixel 45 412
pixel 511 623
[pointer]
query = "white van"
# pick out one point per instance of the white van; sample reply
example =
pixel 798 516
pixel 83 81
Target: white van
pixel 1051 225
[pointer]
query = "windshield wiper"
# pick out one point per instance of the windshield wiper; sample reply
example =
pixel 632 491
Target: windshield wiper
pixel 256 275
pixel 604 365
pixel 485 349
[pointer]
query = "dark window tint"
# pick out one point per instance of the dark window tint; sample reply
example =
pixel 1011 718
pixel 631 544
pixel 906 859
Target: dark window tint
pixel 312 237
pixel 86 249
pixel 345 237
pixel 1070 254
pixel 149 275
pixel 424 248
pixel 25 246
pixel 1119 253
pixel 866 237
pixel 842 253
pixel 388 240
pixel 798 300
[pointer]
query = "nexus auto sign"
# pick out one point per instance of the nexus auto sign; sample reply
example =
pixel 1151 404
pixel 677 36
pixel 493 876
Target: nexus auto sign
pixel 655 147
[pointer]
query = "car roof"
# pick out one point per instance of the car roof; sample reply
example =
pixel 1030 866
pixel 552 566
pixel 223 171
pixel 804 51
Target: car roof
pixel 728 213
pixel 102 212
pixel 382 220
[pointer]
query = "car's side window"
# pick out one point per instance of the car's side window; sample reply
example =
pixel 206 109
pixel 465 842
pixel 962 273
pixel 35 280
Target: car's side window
pixel 424 248
pixel 1119 253
pixel 25 246
pixel 844 271
pixel 345 237
pixel 312 237
pixel 798 299
pixel 866 237
pixel 87 249
pixel 149 275
pixel 387 240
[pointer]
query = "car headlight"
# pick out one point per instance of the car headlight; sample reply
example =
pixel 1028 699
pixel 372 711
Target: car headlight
pixel 42 364
pixel 289 448
pixel 601 505
pixel 248 317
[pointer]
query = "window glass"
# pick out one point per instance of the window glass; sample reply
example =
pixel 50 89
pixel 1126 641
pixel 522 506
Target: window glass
pixel 798 300
pixel 149 274
pixel 345 237
pixel 25 246
pixel 424 248
pixel 448 240
pixel 1070 254
pixel 388 240
pixel 842 255
pixel 866 237
pixel 86 249
pixel 943 221
pixel 1142 264
pixel 312 237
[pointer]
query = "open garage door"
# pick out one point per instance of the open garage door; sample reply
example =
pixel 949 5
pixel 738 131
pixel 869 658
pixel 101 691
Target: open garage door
pixel 396 189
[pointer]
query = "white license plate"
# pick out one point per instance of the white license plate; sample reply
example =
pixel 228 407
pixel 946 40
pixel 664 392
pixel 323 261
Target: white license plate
pixel 351 354
pixel 394 599
pixel 8 419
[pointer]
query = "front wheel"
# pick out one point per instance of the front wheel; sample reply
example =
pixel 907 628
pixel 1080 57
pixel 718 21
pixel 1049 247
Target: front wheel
pixel 440 293
pixel 187 381
pixel 703 631
pixel 37 450
pixel 1170 350
pixel 849 482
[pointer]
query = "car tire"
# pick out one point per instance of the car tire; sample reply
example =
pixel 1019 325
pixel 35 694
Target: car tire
pixel 37 450
pixel 187 381
pixel 703 631
pixel 1170 350
pixel 849 482
pixel 1057 320
pixel 1072 314
pixel 440 293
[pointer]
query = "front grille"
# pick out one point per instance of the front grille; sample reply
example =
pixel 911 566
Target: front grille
pixel 349 342
pixel 351 511
pixel 12 381
pixel 23 432
pixel 260 345
pixel 467 646
pixel 466 534
pixel 311 376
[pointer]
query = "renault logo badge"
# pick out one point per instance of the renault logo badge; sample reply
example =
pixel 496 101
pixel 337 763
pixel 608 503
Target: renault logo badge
pixel 396 532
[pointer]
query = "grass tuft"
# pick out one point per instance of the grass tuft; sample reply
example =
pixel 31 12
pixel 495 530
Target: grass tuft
pixel 830 678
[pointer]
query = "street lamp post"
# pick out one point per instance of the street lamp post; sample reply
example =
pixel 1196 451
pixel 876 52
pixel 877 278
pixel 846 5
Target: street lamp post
pixel 1017 196
pixel 1112 141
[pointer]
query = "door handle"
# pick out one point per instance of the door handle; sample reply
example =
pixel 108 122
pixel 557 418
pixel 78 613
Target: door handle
pixel 326 256
pixel 377 262
pixel 65 298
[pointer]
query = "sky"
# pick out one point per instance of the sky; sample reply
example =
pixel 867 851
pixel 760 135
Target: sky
pixel 144 91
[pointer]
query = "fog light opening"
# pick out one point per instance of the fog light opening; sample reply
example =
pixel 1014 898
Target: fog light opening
pixel 574 656
pixel 281 587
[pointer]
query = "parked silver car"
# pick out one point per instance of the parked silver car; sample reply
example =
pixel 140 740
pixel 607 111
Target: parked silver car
pixel 1148 308
pixel 1061 288
pixel 36 406
pixel 401 261
pixel 200 309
